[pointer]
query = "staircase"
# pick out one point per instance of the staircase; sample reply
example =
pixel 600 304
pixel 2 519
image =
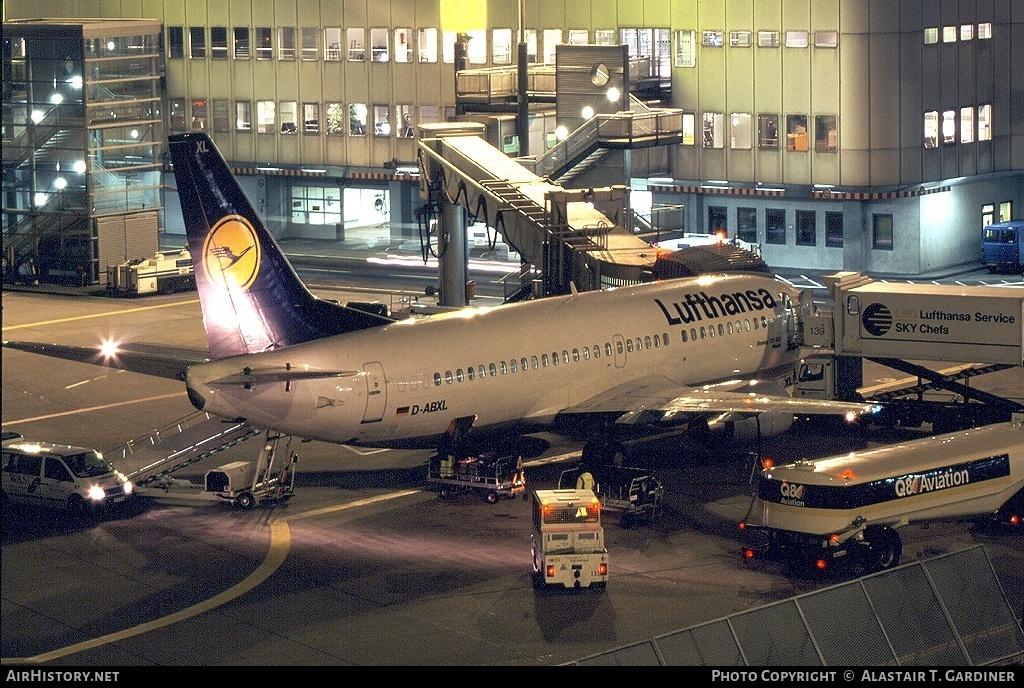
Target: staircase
pixel 179 444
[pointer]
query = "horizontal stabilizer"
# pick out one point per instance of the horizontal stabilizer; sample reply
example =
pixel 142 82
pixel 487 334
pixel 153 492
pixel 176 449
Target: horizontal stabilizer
pixel 248 377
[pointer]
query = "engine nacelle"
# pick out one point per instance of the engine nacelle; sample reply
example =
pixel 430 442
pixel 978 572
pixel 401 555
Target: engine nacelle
pixel 747 429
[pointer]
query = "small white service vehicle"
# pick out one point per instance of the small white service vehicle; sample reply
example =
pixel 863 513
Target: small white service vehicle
pixel 78 479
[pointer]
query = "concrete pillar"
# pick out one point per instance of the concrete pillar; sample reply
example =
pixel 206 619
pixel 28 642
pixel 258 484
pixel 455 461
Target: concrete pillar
pixel 453 250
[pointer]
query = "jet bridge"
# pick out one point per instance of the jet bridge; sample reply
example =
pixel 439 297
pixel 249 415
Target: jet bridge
pixel 577 236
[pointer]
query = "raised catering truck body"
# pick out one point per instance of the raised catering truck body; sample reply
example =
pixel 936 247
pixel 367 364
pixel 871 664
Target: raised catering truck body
pixel 848 506
pixel 938 322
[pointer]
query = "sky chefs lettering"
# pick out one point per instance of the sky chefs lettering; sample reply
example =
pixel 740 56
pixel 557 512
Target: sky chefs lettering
pixel 701 306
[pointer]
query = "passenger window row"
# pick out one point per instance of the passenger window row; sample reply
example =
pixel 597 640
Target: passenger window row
pixel 730 327
pixel 545 360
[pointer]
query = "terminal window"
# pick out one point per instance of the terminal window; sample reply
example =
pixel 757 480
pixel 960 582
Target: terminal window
pixel 403 45
pixel 966 125
pixel 221 116
pixel 311 118
pixel 175 41
pixel 806 232
pixel 746 224
pixel 686 55
pixel 768 131
pixel 289 117
pixel 199 115
pixel 310 50
pixel 197 41
pixel 335 119
pixel 427 45
pixel 931 129
pixel 775 226
pixel 357 119
pixel 286 43
pixel 243 115
pixel 379 48
pixel 501 46
pixel 826 136
pixel 713 134
pixel 833 229
pixel 689 128
pixel 332 44
pixel 219 42
pixel 739 131
pixel 264 43
pixel 241 42
pixel 578 36
pixel 356 44
pixel 177 114
pixel 796 133
pixel 740 39
pixel 796 39
pixel 881 232
pixel 266 116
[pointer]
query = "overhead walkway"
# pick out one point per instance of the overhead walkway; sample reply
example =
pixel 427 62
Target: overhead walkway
pixel 576 236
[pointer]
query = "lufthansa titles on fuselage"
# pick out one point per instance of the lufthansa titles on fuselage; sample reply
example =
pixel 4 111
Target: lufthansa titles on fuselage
pixel 700 306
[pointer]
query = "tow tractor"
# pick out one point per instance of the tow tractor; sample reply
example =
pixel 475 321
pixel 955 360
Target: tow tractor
pixel 490 475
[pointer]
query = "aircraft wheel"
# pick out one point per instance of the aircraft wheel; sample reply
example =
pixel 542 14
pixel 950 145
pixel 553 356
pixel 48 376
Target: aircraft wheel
pixel 884 550
pixel 246 500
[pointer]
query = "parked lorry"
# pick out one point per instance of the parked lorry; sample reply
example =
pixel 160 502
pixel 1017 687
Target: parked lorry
pixel 165 273
pixel 1001 246
pixel 567 543
pixel 635 494
pixel 847 509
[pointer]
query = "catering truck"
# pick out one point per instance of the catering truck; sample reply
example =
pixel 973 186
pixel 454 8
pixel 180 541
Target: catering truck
pixel 847 508
pixel 567 543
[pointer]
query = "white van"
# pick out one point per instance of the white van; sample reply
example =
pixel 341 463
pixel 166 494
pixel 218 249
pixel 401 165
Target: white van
pixel 78 479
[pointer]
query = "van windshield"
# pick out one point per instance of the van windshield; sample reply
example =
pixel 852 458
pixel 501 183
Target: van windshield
pixel 88 464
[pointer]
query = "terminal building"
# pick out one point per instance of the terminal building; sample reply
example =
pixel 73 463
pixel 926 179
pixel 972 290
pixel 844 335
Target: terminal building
pixel 833 134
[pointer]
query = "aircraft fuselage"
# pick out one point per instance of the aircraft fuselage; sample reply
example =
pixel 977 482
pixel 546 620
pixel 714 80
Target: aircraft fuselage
pixel 403 384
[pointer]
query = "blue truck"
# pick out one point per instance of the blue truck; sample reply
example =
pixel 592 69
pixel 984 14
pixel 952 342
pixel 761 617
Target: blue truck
pixel 1001 246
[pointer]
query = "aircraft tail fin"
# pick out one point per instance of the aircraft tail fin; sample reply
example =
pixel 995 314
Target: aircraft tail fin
pixel 251 297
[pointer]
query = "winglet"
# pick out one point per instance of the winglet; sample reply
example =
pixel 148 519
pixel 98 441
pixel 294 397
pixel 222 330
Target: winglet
pixel 252 300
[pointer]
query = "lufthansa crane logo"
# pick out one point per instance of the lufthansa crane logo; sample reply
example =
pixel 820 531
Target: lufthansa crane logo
pixel 877 319
pixel 231 253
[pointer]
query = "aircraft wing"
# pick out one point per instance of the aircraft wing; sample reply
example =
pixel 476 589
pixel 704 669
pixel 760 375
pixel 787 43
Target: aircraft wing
pixel 658 399
pixel 148 359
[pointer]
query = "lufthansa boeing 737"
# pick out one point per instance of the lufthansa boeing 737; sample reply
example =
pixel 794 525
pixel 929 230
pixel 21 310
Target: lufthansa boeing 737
pixel 696 354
